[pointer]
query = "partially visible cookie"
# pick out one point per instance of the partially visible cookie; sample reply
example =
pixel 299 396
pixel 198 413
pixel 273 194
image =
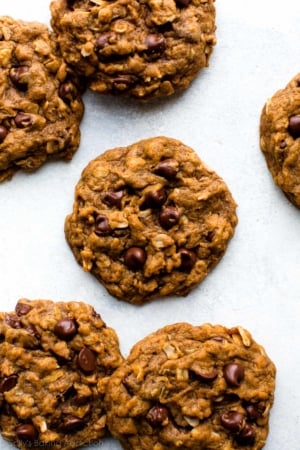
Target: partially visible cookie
pixel 192 387
pixel 40 99
pixel 280 138
pixel 55 361
pixel 150 220
pixel 143 49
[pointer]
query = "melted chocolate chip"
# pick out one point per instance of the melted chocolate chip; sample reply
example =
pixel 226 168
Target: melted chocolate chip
pixel 67 91
pixel 13 321
pixel 16 77
pixel 123 82
pixel 3 133
pixel 157 415
pixel 72 424
pixel 283 144
pixel 294 126
pixel 66 329
pixel 8 383
pixel 102 227
pixel 22 309
pixel 113 198
pixel 23 120
pixel 253 411
pixel 103 39
pixel 234 374
pixel 205 375
pixel 188 259
pixel 155 199
pixel 247 435
pixel 86 360
pixel 166 169
pixel 233 421
pixel 135 258
pixel 155 44
pixel 169 217
pixel 26 432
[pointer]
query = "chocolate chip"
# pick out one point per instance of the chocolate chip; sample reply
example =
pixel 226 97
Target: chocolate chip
pixel 16 77
pixel 155 43
pixel 205 375
pixel 135 258
pixel 155 199
pixel 23 120
pixel 247 434
pixel 8 383
pixel 294 126
pixel 31 329
pixel 102 227
pixel 234 374
pixel 157 415
pixel 188 259
pixel 123 82
pixel 253 411
pixel 67 91
pixel 22 309
pixel 169 217
pixel 72 424
pixel 3 133
pixel 86 360
pixel 13 321
pixel 103 39
pixel 283 144
pixel 26 432
pixel 233 421
pixel 113 198
pixel 65 329
pixel 166 169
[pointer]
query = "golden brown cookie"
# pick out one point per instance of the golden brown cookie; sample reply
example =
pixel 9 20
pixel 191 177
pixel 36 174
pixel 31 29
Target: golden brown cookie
pixel 280 138
pixel 40 99
pixel 143 49
pixel 150 220
pixel 192 387
pixel 55 361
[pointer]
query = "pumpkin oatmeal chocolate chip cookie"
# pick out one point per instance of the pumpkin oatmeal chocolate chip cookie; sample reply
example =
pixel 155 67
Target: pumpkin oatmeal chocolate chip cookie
pixel 55 361
pixel 40 103
pixel 192 387
pixel 150 220
pixel 143 49
pixel 280 138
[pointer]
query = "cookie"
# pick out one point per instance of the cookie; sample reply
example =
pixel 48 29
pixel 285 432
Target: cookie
pixel 40 99
pixel 279 138
pixel 55 361
pixel 143 49
pixel 150 220
pixel 192 387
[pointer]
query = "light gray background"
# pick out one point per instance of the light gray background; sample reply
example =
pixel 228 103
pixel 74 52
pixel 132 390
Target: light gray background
pixel 257 284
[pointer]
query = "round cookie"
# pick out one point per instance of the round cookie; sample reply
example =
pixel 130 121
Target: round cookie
pixel 192 387
pixel 40 103
pixel 143 49
pixel 280 138
pixel 150 220
pixel 55 361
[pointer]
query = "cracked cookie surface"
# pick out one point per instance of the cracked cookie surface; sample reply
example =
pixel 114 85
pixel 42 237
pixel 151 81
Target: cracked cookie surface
pixel 192 387
pixel 143 49
pixel 40 102
pixel 150 220
pixel 55 361
pixel 280 138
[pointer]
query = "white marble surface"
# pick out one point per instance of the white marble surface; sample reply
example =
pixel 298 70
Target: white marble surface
pixel 257 284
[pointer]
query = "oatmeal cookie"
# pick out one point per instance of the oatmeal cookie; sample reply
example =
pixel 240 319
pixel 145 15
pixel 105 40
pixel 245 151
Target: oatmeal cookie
pixel 192 387
pixel 143 49
pixel 40 99
pixel 150 220
pixel 55 361
pixel 280 138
